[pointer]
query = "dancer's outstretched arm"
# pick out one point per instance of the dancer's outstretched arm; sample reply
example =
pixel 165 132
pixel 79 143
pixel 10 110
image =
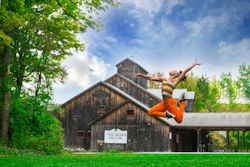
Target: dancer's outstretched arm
pixel 151 78
pixel 182 76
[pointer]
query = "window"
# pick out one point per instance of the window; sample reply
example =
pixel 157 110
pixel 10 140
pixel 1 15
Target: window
pixel 130 112
pixel 100 110
pixel 80 134
pixel 101 98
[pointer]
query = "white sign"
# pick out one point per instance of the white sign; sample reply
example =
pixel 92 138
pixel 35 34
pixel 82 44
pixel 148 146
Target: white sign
pixel 115 136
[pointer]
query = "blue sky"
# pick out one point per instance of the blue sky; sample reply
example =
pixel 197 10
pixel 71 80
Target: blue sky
pixel 162 35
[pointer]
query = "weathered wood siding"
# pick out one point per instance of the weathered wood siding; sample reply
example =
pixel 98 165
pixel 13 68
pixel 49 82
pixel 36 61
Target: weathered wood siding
pixel 139 94
pixel 127 68
pixel 81 110
pixel 145 133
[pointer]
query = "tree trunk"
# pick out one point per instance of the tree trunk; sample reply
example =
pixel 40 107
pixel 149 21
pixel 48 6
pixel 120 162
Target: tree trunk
pixel 5 94
pixel 1 88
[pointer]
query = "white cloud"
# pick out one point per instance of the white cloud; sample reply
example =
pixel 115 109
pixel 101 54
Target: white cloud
pixel 149 6
pixel 171 4
pixel 111 40
pixel 204 26
pixel 98 40
pixel 238 51
pixel 168 28
pixel 137 41
pixel 77 68
pixel 98 67
pixel 154 6
pixel 83 70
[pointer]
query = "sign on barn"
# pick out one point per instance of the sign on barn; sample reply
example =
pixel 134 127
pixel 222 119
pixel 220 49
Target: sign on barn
pixel 116 136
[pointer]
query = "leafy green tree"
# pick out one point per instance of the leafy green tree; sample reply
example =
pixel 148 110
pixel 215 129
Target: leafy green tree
pixel 202 94
pixel 189 83
pixel 218 140
pixel 214 95
pixel 228 87
pixel 153 84
pixel 9 21
pixel 243 82
pixel 35 36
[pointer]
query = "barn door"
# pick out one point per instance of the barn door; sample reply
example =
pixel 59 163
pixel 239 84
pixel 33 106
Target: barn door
pixel 144 138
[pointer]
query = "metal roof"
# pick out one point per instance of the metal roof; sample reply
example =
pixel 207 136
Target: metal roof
pixel 176 93
pixel 218 120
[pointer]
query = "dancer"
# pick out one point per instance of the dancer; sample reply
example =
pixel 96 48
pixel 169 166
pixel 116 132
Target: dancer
pixel 168 85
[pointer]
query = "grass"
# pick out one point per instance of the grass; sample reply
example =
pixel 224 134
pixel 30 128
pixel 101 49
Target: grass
pixel 126 159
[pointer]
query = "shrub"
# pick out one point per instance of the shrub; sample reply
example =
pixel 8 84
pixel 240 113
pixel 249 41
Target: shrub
pixel 32 127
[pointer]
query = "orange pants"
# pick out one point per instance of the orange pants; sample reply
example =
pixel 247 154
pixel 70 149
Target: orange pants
pixel 170 105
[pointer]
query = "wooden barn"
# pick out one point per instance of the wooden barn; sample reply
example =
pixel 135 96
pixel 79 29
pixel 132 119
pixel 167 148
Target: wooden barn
pixel 112 114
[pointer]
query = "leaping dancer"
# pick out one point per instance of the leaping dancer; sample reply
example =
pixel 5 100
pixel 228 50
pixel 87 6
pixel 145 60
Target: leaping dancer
pixel 168 85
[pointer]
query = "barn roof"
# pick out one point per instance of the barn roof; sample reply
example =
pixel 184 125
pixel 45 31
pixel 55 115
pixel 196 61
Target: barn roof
pixel 220 120
pixel 126 95
pixel 176 93
pixel 128 59
pixel 83 92
pixel 137 86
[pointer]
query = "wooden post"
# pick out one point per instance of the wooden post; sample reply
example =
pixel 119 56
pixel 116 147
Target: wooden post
pixel 228 140
pixel 238 144
pixel 244 140
pixel 198 140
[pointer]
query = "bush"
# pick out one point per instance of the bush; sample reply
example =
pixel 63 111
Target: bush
pixel 8 151
pixel 32 127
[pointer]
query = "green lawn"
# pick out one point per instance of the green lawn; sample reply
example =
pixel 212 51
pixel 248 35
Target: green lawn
pixel 127 159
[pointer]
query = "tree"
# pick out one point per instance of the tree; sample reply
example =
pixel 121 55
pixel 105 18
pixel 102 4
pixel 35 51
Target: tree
pixel 214 95
pixel 8 22
pixel 189 83
pixel 202 94
pixel 35 36
pixel 4 93
pixel 243 82
pixel 154 84
pixel 228 87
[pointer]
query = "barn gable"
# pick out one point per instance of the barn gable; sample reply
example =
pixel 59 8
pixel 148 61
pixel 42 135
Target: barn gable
pixel 128 61
pixel 143 107
pixel 128 67
pixel 79 111
pixel 129 113
pixel 133 89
